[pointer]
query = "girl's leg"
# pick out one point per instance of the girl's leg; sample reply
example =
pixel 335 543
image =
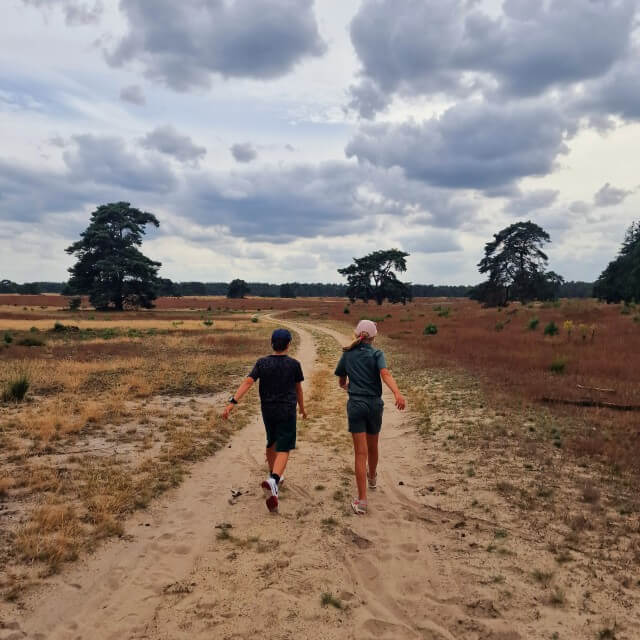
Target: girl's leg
pixel 271 457
pixel 360 450
pixel 372 452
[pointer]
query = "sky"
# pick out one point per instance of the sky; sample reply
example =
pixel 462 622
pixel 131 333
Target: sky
pixel 275 140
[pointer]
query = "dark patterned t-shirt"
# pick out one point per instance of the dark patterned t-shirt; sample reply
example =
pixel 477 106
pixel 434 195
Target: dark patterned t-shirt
pixel 278 376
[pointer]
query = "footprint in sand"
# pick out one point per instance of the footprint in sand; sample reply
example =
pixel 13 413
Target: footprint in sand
pixel 382 629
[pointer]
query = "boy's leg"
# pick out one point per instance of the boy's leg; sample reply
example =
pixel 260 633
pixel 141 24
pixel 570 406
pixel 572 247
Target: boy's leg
pixel 279 462
pixel 271 456
pixel 360 451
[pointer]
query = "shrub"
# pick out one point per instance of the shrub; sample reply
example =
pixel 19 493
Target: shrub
pixel 31 342
pixel 499 326
pixel 34 330
pixel 636 319
pixel 8 338
pixel 430 330
pixel 533 323
pixel 15 390
pixel 75 303
pixel 551 329
pixel 208 323
pixel 558 365
pixel 346 310
pixel 626 309
pixel 254 318
pixel 444 312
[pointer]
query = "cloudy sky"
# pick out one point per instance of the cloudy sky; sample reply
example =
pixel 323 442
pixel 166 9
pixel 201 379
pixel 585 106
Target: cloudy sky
pixel 276 139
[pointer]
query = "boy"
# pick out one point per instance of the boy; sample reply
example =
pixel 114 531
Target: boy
pixel 280 390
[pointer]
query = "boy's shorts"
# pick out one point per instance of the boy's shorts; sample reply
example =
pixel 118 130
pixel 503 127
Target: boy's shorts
pixel 281 429
pixel 365 414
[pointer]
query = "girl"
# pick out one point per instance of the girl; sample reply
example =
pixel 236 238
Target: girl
pixel 360 371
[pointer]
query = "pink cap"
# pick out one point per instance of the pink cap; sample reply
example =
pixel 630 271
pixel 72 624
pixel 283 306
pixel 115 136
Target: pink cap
pixel 368 327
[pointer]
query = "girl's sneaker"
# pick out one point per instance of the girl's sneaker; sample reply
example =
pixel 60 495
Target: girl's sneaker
pixel 270 489
pixel 373 481
pixel 359 506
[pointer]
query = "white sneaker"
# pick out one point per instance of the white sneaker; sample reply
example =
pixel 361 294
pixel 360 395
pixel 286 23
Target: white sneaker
pixel 359 507
pixel 373 481
pixel 270 488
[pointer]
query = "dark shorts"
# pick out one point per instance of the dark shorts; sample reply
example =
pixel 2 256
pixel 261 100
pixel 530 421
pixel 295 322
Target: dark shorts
pixel 281 429
pixel 365 414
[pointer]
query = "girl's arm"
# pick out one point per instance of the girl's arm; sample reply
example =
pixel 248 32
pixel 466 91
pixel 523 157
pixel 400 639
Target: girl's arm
pixel 387 378
pixel 247 383
pixel 300 395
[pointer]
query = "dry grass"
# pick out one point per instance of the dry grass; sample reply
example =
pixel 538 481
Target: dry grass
pixel 108 424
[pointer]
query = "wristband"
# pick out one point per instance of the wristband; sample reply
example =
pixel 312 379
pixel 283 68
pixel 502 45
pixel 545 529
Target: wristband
pixel 232 400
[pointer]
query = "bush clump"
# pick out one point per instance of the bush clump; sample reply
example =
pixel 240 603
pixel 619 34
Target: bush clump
pixel 75 303
pixel 551 329
pixel 31 342
pixel 558 365
pixel 15 390
pixel 533 323
pixel 8 338
pixel 254 318
pixel 430 330
pixel 346 310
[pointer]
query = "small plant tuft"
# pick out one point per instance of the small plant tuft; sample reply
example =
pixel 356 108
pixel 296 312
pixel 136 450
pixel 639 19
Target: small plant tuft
pixel 430 330
pixel 15 390
pixel 8 338
pixel 533 323
pixel 558 365
pixel 329 599
pixel 551 329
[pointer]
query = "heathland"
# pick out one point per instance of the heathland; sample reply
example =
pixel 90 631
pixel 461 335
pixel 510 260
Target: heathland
pixel 515 474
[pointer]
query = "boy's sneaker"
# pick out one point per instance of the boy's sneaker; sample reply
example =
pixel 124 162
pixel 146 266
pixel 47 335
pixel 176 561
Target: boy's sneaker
pixel 373 481
pixel 270 489
pixel 359 507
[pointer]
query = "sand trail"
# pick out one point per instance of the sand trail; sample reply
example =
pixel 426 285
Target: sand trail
pixel 196 566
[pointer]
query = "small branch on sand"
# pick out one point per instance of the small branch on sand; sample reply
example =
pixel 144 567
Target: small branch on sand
pixel 596 389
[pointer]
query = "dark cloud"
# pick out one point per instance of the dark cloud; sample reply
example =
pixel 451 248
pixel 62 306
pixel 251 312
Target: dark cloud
pixel 472 145
pixel 608 196
pixel 532 201
pixel 169 141
pixel 182 43
pixel 243 152
pixel 429 47
pixel 76 12
pixel 133 94
pixel 331 199
pixel 107 161
pixel 616 94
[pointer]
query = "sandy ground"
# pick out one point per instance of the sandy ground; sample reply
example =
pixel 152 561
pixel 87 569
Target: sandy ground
pixel 198 564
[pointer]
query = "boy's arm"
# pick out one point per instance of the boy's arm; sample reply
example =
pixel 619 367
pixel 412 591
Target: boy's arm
pixel 300 396
pixel 343 382
pixel 247 383
pixel 387 378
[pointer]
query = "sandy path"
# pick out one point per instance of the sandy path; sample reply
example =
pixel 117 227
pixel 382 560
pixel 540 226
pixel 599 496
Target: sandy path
pixel 397 573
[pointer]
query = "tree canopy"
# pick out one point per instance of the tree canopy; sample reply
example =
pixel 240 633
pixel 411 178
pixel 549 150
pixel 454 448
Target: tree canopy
pixel 288 290
pixel 238 289
pixel 110 268
pixel 620 281
pixel 515 263
pixel 372 277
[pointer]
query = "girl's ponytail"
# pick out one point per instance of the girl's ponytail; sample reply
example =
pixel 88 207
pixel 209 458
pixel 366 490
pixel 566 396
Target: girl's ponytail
pixel 358 340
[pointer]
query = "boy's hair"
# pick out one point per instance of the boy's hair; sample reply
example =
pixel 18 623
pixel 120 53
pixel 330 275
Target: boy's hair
pixel 280 339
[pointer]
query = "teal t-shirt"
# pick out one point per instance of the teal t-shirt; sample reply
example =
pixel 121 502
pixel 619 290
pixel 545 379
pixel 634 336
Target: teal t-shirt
pixel 362 366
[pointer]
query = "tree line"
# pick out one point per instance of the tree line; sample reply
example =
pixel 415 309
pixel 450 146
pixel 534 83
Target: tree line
pixel 112 270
